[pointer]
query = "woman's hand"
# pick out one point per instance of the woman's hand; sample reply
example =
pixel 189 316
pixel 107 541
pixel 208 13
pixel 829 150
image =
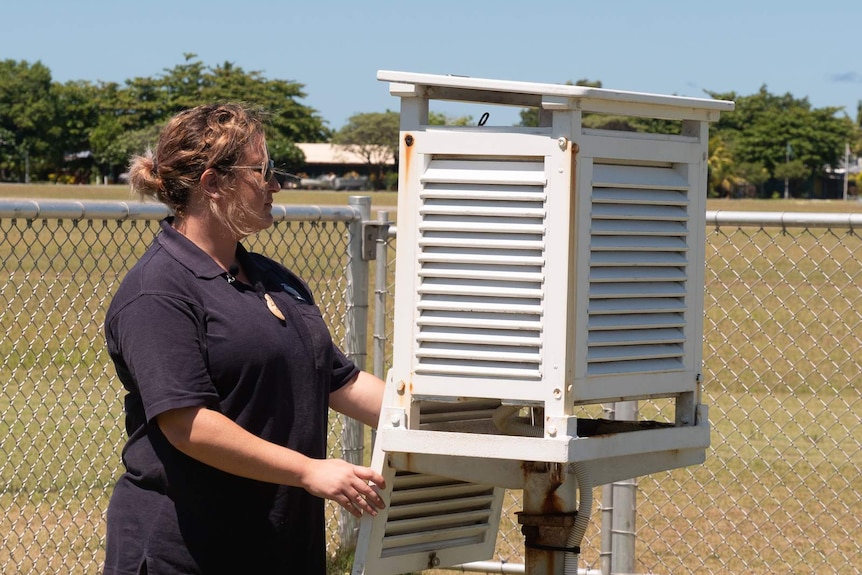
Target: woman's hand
pixel 344 483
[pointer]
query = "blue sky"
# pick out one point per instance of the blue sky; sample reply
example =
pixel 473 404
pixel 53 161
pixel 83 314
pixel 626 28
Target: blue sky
pixel 335 47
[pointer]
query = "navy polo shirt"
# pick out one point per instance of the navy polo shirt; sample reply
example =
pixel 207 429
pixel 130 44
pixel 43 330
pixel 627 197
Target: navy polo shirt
pixel 183 333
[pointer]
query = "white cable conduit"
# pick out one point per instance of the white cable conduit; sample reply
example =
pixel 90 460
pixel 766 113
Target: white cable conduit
pixel 506 420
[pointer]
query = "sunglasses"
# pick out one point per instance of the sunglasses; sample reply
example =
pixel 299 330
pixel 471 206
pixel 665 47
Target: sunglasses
pixel 269 171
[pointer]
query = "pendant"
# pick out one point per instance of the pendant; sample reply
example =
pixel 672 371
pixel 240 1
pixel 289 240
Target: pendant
pixel 273 309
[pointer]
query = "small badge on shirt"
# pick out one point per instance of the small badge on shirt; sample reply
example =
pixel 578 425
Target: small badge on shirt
pixel 273 309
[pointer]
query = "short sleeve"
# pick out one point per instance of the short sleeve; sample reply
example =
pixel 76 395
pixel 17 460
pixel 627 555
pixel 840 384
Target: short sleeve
pixel 160 342
pixel 343 370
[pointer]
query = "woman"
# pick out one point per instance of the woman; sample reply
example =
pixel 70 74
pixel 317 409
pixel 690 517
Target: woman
pixel 230 372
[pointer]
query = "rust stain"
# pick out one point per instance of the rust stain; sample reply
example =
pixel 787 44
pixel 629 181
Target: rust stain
pixel 407 151
pixel 552 503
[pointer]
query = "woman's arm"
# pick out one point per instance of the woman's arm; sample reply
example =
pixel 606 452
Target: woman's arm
pixel 360 399
pixel 216 440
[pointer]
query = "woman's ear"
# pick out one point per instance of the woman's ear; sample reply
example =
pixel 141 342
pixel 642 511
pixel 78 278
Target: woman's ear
pixel 210 184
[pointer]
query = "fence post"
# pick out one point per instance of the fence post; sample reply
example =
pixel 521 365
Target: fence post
pixel 624 514
pixel 381 269
pixel 356 341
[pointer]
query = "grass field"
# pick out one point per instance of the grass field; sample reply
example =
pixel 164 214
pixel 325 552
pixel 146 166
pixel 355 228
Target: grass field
pixel 123 193
pixel 778 492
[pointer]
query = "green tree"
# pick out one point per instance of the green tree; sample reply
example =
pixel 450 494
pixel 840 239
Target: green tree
pixel 753 173
pixel 722 182
pixel 26 116
pixel 289 121
pixel 120 117
pixel 440 119
pixel 374 137
pixel 784 134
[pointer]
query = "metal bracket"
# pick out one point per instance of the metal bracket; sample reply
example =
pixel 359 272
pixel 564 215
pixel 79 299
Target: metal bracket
pixel 372 232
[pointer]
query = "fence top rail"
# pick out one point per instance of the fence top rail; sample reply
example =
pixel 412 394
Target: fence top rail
pixel 120 210
pixel 785 219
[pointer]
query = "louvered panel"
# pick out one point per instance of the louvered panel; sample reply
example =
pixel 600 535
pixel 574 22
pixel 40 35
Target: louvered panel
pixel 466 305
pixel 631 337
pixel 466 225
pixel 469 336
pixel 489 241
pixel 464 192
pixel 440 506
pixel 635 274
pixel 474 208
pixel 460 286
pixel 639 212
pixel 479 352
pixel 634 352
pixel 637 258
pixel 638 243
pixel 430 271
pixel 644 304
pixel 482 368
pixel 618 196
pixel 456 416
pixel 433 540
pixel 419 526
pixel 468 320
pixel 599 227
pixel 635 321
pixel 633 289
pixel 481 245
pixel 418 487
pixel 428 512
pixel 484 172
pixel 638 177
pixel 653 365
pixel 639 233
pixel 466 257
pixel 463 410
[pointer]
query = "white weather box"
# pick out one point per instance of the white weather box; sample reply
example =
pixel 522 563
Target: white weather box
pixel 539 271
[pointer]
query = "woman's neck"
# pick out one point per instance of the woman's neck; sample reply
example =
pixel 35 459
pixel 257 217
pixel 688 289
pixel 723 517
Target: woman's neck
pixel 212 239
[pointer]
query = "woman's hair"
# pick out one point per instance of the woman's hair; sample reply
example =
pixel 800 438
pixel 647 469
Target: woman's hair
pixel 213 136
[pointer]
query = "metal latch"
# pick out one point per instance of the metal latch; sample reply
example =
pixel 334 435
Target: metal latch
pixel 372 232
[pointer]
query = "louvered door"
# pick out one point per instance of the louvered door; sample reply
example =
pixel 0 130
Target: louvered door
pixel 472 314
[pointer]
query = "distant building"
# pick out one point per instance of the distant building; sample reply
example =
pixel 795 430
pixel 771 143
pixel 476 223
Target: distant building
pixel 322 159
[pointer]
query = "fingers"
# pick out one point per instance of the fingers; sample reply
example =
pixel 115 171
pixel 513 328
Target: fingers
pixel 357 505
pixel 368 474
pixel 360 497
pixel 354 487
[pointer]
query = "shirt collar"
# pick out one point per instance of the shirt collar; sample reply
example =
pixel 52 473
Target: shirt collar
pixel 191 256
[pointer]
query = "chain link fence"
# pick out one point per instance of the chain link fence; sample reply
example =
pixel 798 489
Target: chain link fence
pixel 61 417
pixel 779 492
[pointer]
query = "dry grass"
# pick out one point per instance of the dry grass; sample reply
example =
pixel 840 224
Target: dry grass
pixel 774 457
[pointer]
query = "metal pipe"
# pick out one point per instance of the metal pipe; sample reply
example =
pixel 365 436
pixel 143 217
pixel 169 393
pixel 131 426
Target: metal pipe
pixel 355 347
pixel 784 219
pixel 380 270
pixel 624 515
pixel 119 210
pixel 503 567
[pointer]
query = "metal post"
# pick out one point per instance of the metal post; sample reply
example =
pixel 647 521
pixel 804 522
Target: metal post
pixel 607 511
pixel 380 273
pixel 624 507
pixel 548 517
pixel 356 341
pixel 846 167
